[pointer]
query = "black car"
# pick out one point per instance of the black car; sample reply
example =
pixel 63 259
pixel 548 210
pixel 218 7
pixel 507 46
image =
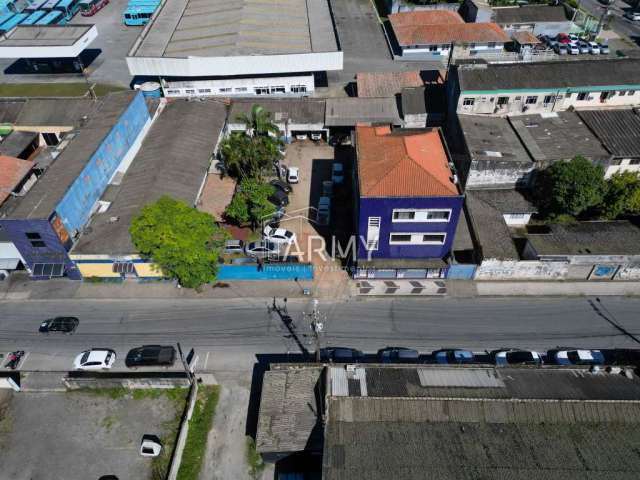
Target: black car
pixel 280 185
pixel 59 324
pixel 151 355
pixel 341 354
pixel 398 354
pixel 279 198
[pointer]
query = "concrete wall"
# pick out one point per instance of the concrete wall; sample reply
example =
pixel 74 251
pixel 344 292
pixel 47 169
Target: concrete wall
pixel 486 102
pixel 493 269
pixel 624 165
pixel 239 87
pixel 441 52
pixel 484 174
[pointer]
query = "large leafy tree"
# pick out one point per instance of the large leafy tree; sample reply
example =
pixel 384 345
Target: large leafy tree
pixel 570 188
pixel 184 242
pixel 258 123
pixel 250 203
pixel 622 196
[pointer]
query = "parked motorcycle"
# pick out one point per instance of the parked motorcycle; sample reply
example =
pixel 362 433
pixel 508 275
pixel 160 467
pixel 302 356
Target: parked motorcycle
pixel 13 359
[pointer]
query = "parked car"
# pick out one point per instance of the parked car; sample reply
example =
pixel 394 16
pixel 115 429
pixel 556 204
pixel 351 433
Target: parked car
pixel 233 246
pixel 337 173
pixel 563 38
pixel 594 48
pixel 583 46
pixel 573 38
pixel 151 355
pixel 633 16
pixel 327 188
pixel 577 357
pixel 561 49
pixel 262 249
pixel 301 136
pixel 398 354
pixel 514 356
pixel 604 48
pixel 316 137
pixel 293 175
pixel 341 354
pixel 280 185
pixel 323 215
pixel 59 324
pixel 279 236
pixel 573 49
pixel 279 198
pixel 95 359
pixel 625 356
pixel 453 356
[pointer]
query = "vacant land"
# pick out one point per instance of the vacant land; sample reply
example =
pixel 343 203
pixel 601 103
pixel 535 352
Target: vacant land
pixel 54 89
pixel 83 435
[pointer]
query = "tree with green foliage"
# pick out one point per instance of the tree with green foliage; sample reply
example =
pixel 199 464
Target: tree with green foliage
pixel 250 203
pixel 258 123
pixel 184 242
pixel 570 188
pixel 622 196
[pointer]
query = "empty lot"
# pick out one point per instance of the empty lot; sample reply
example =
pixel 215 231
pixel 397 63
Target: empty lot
pixel 83 435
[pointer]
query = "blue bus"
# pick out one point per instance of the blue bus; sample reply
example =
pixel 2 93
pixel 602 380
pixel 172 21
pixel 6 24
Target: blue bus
pixel 34 6
pixel 68 8
pixel 34 17
pixel 54 17
pixel 138 15
pixel 14 21
pixel 49 5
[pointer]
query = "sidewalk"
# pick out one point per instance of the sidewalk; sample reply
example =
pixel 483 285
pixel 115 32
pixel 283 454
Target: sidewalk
pixel 331 285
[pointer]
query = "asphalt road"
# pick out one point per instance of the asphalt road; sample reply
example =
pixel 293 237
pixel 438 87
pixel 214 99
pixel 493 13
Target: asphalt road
pixel 619 24
pixel 227 334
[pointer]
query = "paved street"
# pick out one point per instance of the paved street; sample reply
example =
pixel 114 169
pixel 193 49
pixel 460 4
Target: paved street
pixel 227 334
pixel 619 24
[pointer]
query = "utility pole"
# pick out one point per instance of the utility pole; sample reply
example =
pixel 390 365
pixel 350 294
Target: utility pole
pixel 316 326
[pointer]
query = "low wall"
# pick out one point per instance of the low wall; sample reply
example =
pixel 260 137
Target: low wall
pixel 142 380
pixel 538 270
pixel 283 271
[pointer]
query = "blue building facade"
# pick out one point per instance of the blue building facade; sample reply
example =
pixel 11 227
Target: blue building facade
pixel 44 223
pixel 408 205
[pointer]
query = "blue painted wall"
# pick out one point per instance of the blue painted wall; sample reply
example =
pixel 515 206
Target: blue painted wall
pixel 75 207
pixel 268 272
pixel 383 207
pixel 52 252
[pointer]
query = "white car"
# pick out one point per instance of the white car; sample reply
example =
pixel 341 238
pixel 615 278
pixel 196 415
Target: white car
pixel 573 38
pixel 301 136
pixel 293 175
pixel 594 48
pixel 633 16
pixel 573 49
pixel 95 359
pixel 280 236
pixel 337 173
pixel 323 215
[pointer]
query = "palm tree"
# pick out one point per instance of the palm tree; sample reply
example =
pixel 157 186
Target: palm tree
pixel 259 122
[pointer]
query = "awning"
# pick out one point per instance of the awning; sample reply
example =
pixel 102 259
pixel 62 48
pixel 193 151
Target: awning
pixel 9 263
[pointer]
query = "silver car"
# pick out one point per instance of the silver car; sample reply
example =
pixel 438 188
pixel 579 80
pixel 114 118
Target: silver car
pixel 262 249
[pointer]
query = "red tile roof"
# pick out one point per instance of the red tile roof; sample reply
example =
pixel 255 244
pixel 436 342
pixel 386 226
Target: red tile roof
pixel 449 33
pixel 12 172
pixel 525 38
pixel 386 84
pixel 427 17
pixel 407 165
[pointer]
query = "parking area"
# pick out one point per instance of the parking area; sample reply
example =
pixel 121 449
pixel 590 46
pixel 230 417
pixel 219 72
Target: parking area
pixel 84 435
pixel 364 44
pixel 108 51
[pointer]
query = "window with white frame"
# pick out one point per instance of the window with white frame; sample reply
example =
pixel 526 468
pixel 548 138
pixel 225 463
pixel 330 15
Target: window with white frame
pixel 532 100
pixel 241 89
pixel 204 90
pixel 261 90
pixel 298 88
pixel 373 233
pixel 421 215
pixel 468 102
pixel 278 89
pixel 422 238
pixel 225 89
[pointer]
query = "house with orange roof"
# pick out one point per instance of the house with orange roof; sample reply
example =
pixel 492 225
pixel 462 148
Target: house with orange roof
pixel 425 35
pixel 408 203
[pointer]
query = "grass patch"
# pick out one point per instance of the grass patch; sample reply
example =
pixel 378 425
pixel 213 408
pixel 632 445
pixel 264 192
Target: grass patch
pixel 54 89
pixel 113 393
pixel 199 427
pixel 254 460
pixel 178 396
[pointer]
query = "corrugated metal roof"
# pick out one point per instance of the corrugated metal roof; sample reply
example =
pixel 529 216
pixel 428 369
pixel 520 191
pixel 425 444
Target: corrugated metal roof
pixel 348 382
pixel 474 378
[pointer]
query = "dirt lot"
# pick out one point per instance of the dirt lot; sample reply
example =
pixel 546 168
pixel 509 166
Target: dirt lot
pixel 82 436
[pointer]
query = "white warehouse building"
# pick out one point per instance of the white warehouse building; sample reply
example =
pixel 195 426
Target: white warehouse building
pixel 239 48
